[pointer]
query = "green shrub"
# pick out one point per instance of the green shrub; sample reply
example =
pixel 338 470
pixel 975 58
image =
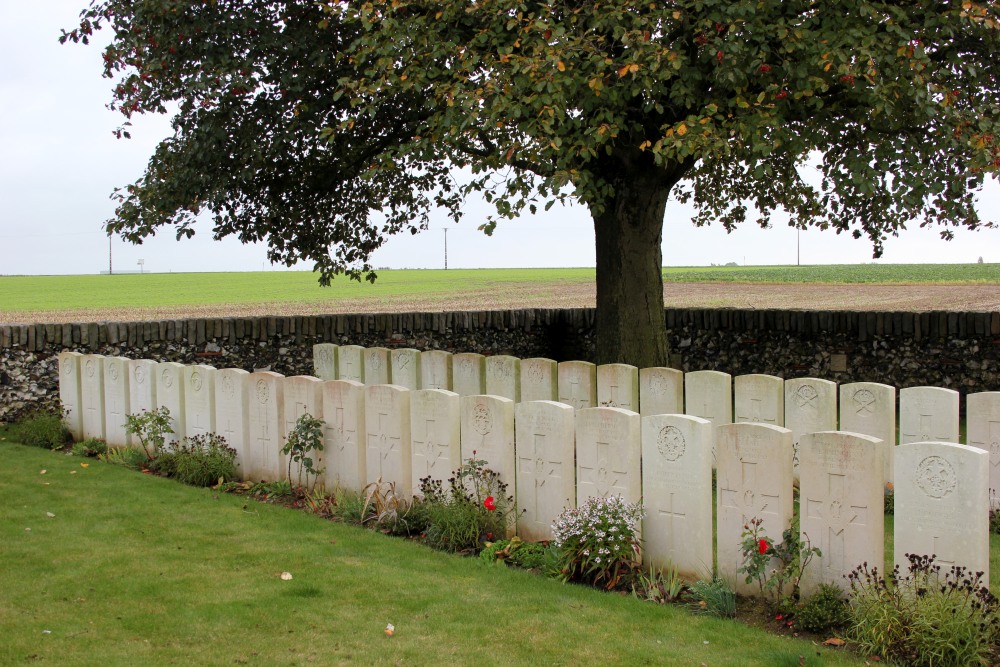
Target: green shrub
pixel 305 438
pixel 42 429
pixel 90 447
pixel 130 457
pixel 713 597
pixel 204 460
pixel 386 510
pixel 525 555
pixel 659 586
pixel 473 510
pixel 775 565
pixel 349 506
pixel 824 610
pixel 925 617
pixel 598 541
pixel 151 428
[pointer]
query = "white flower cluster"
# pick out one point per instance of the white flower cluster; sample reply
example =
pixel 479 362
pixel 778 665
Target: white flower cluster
pixel 605 525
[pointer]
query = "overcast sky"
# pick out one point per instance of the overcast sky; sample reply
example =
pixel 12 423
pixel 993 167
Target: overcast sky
pixel 59 163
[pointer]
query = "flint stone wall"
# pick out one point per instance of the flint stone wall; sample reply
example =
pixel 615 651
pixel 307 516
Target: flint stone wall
pixel 956 350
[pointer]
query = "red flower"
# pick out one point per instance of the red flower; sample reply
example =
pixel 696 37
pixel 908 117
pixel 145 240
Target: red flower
pixel 490 503
pixel 762 546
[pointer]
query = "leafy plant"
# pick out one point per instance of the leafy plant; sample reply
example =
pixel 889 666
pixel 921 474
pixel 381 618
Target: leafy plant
pixel 90 447
pixel 474 509
pixel 42 429
pixel 281 488
pixel 386 510
pixel 598 541
pixel 758 554
pixel 713 597
pixel 515 551
pixel 151 428
pixel 305 438
pixel 823 610
pixel 349 506
pixel 926 617
pixel 659 586
pixel 129 457
pixel 203 460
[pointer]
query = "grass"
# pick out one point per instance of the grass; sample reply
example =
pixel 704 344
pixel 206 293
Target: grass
pixel 159 290
pixel 134 569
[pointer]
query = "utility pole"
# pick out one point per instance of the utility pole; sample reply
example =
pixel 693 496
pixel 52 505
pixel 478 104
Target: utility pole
pixel 445 248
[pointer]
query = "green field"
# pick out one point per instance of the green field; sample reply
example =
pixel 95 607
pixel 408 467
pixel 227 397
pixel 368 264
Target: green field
pixel 153 290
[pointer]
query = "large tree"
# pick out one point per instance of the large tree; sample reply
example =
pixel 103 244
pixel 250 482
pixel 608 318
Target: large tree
pixel 323 128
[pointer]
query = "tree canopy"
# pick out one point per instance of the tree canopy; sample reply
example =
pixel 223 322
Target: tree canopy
pixel 324 128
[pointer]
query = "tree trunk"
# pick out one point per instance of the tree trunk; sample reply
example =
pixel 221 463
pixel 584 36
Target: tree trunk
pixel 631 326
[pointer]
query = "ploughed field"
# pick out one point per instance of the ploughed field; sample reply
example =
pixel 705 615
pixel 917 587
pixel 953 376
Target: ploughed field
pixel 153 296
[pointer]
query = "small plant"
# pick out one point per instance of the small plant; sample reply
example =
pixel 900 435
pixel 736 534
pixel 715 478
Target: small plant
pixel 474 509
pixel 91 447
pixel 305 438
pixel 129 457
pixel 151 428
pixel 714 598
pixel 824 610
pixel 927 617
pixel 792 558
pixel 42 429
pixel 204 460
pixel 598 541
pixel 350 506
pixel 659 586
pixel 516 552
pixel 386 510
pixel 279 489
pixel 318 502
pixel 890 499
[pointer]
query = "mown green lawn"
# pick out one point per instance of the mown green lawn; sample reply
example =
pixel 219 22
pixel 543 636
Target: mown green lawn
pixel 138 570
pixel 153 290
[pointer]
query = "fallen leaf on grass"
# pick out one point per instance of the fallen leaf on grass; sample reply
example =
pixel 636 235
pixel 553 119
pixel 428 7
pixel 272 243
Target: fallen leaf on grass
pixel 285 576
pixel 72 472
pixel 834 641
pixel 50 515
pixel 43 472
pixel 27 530
pixel 84 465
pixel 389 630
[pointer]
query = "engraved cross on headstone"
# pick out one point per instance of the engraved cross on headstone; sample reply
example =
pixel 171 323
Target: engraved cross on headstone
pixel 925 427
pixel 672 516
pixel 991 444
pixel 744 496
pixel 433 452
pixel 834 509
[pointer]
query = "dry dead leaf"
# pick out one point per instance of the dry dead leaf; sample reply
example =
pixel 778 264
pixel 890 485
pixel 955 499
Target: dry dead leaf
pixel 834 641
pixel 84 465
pixel 43 472
pixel 50 515
pixel 72 472
pixel 390 629
pixel 285 576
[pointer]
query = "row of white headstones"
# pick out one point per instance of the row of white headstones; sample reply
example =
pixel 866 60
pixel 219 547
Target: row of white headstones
pixel 555 454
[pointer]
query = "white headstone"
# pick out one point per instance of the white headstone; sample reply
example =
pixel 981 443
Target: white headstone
pixel 387 423
pixel 232 416
pixel 942 505
pixel 404 368
pixel 754 482
pixel 325 361
pixel 578 384
pixel 546 476
pixel 344 435
pixel 377 365
pixel 608 451
pixel 266 408
pixel 436 370
pixel 70 395
pixel 661 391
pixel 141 385
pixel 488 430
pixel 116 401
pixel 618 386
pixel 841 509
pixel 760 399
pixel 435 434
pixel 503 377
pixel 928 414
pixel 982 430
pixel 869 408
pixel 170 395
pixel 677 493
pixel 469 374
pixel 810 407
pixel 351 363
pixel 92 395
pixel 303 394
pixel 199 400
pixel 709 395
pixel 539 379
